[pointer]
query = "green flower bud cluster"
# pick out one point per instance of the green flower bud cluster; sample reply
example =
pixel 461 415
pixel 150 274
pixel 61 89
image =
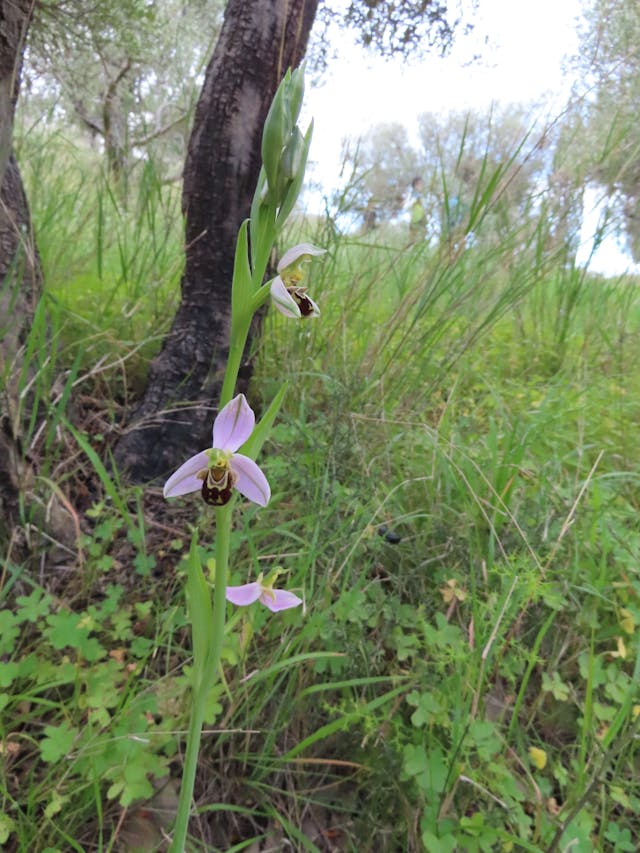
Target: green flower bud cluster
pixel 283 146
pixel 284 158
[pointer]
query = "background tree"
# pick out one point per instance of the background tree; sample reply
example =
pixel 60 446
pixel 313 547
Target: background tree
pixel 565 186
pixel 607 110
pixel 384 164
pixel 19 266
pixel 258 41
pixel 490 164
pixel 126 74
pixel 495 163
pixel 15 18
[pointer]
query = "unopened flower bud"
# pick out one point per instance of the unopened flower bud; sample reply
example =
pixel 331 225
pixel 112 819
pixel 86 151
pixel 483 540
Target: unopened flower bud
pixel 293 159
pixel 275 133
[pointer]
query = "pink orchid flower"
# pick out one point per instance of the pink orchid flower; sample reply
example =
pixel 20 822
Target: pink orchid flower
pixel 216 472
pixel 274 599
pixel 289 297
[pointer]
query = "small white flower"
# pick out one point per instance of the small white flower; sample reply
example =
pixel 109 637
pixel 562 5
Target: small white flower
pixel 288 295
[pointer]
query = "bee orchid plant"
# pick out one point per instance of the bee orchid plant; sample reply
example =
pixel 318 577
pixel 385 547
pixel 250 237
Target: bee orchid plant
pixel 221 472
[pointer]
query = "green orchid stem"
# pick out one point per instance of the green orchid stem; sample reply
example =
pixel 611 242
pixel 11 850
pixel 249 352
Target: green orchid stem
pixel 181 826
pixel 241 323
pixel 205 678
pixel 239 336
pixel 223 539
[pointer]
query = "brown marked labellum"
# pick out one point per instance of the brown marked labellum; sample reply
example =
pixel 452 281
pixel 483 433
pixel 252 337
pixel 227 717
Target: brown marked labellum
pixel 303 302
pixel 217 486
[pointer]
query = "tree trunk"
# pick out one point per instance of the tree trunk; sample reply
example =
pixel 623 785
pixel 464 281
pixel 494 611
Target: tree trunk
pixel 15 17
pixel 259 40
pixel 20 280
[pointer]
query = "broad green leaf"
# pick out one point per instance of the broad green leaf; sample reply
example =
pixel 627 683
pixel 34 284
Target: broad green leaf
pixel 446 844
pixel 242 287
pixel 296 184
pixel 260 434
pixel 57 742
pixel 8 672
pixel 7 826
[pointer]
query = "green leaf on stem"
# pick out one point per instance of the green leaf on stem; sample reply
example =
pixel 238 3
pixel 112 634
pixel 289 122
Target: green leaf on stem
pixel 260 434
pixel 296 184
pixel 242 287
pixel 276 130
pixel 296 92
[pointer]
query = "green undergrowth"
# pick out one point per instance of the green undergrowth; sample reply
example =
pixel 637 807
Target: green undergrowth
pixel 512 597
pixel 454 494
pixel 111 258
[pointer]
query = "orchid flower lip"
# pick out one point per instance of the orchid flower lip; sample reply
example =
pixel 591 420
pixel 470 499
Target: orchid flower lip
pixel 283 300
pixel 305 303
pixel 289 296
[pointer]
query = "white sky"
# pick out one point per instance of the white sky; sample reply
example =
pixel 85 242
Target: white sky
pixel 523 61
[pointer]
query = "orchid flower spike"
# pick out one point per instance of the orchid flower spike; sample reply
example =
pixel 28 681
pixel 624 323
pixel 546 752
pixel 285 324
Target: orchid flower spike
pixel 216 472
pixel 263 591
pixel 289 297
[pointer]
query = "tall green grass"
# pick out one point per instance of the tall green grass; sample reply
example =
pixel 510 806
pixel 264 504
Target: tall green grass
pixel 112 262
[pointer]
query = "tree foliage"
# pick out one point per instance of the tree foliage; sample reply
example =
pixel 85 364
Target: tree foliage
pixel 609 63
pixel 383 164
pixel 389 28
pixel 498 166
pixel 402 27
pixel 127 74
pixel 489 164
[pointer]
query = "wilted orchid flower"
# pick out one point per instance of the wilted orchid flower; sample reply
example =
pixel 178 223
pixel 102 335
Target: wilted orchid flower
pixel 216 472
pixel 263 591
pixel 289 297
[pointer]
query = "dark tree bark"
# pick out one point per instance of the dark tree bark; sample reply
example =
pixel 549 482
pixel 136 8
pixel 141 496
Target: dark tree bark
pixel 15 17
pixel 259 40
pixel 20 280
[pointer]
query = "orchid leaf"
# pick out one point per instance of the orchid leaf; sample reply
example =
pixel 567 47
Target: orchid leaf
pixel 276 128
pixel 296 184
pixel 260 434
pixel 242 288
pixel 261 227
pixel 296 92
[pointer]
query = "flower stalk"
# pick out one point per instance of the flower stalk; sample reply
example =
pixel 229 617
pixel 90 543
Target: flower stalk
pixel 220 472
pixel 205 674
